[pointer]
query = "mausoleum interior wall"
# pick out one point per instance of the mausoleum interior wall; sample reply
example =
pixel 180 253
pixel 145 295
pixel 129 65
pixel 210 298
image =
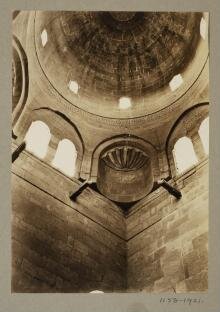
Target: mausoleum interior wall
pixel 59 245
pixel 167 239
pixel 160 243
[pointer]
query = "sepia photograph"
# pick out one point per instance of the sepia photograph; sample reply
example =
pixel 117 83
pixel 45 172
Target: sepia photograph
pixel 110 152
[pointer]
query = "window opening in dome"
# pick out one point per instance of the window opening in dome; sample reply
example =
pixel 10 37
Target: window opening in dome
pixel 44 37
pixel 203 28
pixel 176 82
pixel 37 139
pixel 184 154
pixel 65 157
pixel 204 134
pixel 73 86
pixel 124 103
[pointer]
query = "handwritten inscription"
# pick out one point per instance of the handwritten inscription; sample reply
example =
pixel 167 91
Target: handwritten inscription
pixel 187 300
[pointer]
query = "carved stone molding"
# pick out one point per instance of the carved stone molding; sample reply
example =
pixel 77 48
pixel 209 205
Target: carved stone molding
pixel 20 80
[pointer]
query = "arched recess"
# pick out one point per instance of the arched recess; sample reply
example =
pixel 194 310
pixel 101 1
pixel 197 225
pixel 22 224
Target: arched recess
pixel 125 168
pixel 187 125
pixel 145 145
pixel 61 127
pixel 20 80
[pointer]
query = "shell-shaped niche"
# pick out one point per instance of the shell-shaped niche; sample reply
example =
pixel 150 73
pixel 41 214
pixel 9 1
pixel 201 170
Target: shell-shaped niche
pixel 125 158
pixel 125 173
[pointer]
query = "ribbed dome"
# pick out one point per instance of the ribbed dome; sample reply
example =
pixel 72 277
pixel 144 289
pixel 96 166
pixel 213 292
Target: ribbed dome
pixel 122 53
pixel 108 55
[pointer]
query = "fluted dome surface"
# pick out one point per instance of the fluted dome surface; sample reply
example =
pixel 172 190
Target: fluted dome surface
pixel 108 55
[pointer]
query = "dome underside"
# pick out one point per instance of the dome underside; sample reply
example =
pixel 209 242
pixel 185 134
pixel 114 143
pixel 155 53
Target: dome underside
pixel 130 57
pixel 115 54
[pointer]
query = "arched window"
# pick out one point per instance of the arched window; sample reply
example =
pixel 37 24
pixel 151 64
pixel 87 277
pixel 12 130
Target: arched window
pixel 37 139
pixel 204 134
pixel 65 157
pixel 184 154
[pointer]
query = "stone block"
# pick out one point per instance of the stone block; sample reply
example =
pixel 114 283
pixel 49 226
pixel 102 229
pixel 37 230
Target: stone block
pixel 159 253
pixel 181 287
pixel 163 285
pixel 195 262
pixel 200 241
pixel 171 235
pixel 198 282
pixel 38 273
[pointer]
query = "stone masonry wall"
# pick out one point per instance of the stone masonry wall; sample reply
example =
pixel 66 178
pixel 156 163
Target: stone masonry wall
pixel 60 246
pixel 167 248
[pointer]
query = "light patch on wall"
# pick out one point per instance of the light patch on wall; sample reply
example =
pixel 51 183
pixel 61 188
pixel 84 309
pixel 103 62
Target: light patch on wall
pixel 73 86
pixel 184 155
pixel 44 37
pixel 204 134
pixel 38 138
pixel 176 82
pixel 65 158
pixel 96 292
pixel 124 102
pixel 203 28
